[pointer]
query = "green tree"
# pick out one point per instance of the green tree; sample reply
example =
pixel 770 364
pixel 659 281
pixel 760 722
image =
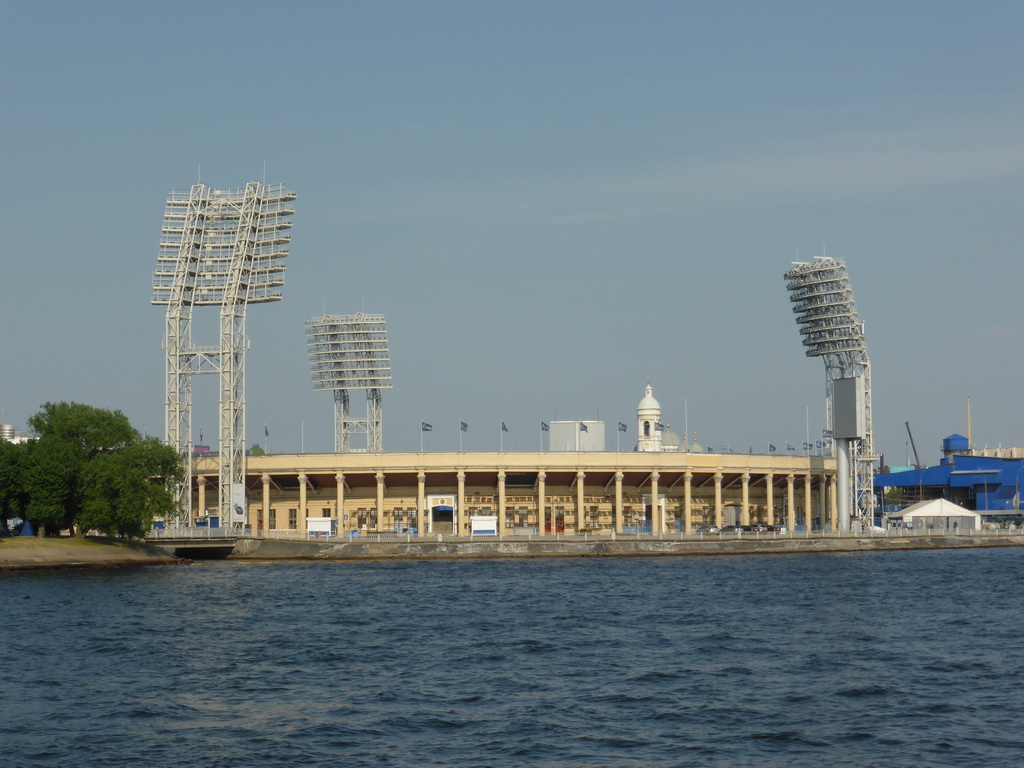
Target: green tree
pixel 123 491
pixel 90 469
pixel 13 498
pixel 49 484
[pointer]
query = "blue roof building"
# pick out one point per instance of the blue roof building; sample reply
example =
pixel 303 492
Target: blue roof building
pixel 989 484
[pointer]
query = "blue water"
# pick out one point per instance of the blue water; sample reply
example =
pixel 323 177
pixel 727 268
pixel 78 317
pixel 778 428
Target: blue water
pixel 876 659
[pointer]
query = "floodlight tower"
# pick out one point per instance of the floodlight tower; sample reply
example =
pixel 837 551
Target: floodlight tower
pixel 346 353
pixel 221 248
pixel 831 329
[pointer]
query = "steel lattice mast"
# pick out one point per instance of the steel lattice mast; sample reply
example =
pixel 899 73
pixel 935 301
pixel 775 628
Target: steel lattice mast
pixel 221 248
pixel 831 328
pixel 346 353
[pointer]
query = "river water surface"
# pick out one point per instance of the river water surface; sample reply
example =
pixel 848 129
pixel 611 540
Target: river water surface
pixel 867 659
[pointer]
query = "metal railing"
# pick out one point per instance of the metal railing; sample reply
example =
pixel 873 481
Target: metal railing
pixel 587 536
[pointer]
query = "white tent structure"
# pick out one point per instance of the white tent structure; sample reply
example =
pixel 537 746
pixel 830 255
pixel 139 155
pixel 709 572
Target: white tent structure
pixel 939 516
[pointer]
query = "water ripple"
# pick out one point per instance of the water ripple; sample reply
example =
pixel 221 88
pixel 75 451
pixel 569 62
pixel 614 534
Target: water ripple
pixel 876 659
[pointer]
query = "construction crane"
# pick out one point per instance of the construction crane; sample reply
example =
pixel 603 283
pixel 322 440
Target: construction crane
pixel 917 461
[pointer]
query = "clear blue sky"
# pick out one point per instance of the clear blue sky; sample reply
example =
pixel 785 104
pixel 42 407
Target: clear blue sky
pixel 550 202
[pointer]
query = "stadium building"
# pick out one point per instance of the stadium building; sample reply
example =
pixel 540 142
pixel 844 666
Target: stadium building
pixel 555 491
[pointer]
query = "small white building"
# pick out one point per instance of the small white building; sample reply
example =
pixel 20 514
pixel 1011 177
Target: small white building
pixel 940 516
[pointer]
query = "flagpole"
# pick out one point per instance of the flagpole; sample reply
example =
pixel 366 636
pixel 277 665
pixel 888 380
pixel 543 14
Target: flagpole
pixel 501 437
pixel 460 436
pixel 421 436
pixel 686 425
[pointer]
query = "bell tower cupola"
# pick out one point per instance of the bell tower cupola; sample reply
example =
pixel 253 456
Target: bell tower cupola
pixel 648 422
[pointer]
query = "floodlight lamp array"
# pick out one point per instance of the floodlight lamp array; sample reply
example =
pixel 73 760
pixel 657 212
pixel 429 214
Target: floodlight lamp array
pixel 823 302
pixel 348 352
pixel 218 244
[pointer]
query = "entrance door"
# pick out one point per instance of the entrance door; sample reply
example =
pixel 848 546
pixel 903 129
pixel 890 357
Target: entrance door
pixel 443 519
pixel 559 521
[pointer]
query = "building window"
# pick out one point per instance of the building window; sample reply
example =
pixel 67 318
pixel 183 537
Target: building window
pixel 273 520
pixel 293 519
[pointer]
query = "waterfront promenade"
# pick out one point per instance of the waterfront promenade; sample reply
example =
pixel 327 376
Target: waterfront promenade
pixel 198 544
pixel 605 544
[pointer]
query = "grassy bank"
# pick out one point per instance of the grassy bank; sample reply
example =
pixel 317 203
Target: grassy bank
pixel 17 552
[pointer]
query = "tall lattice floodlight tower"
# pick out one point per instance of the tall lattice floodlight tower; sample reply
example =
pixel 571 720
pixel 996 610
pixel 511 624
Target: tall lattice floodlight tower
pixel 832 330
pixel 346 353
pixel 223 248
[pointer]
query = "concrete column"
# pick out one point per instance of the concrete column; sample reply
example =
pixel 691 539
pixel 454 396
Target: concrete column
pixel 580 516
pixel 380 501
pixel 540 505
pixel 462 514
pixel 790 504
pixel 833 506
pixel 745 502
pixel 618 502
pixel 845 485
pixel 302 502
pixel 687 503
pixel 201 482
pixel 501 502
pixel 823 501
pixel 422 515
pixel 808 512
pixel 769 497
pixel 339 478
pixel 718 499
pixel 266 503
pixel 657 517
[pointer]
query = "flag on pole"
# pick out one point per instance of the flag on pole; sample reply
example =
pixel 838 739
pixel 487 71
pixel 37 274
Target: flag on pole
pixel 266 432
pixel 583 427
pixel 790 447
pixel 544 427
pixel 771 447
pixel 464 426
pixel 503 427
pixel 659 427
pixel 622 427
pixel 424 427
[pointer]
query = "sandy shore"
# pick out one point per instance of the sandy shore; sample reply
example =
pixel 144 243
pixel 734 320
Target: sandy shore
pixel 18 552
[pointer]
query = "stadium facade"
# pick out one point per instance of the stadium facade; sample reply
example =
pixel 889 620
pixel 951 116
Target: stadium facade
pixel 557 491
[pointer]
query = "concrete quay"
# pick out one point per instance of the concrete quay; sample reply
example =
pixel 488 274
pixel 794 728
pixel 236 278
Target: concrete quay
pixel 391 548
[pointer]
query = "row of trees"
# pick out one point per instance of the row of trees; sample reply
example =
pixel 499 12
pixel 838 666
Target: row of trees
pixel 88 469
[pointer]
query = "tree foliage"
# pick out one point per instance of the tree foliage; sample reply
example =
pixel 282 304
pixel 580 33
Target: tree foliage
pixel 89 469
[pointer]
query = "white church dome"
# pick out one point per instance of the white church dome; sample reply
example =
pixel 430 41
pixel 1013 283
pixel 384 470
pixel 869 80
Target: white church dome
pixel 649 403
